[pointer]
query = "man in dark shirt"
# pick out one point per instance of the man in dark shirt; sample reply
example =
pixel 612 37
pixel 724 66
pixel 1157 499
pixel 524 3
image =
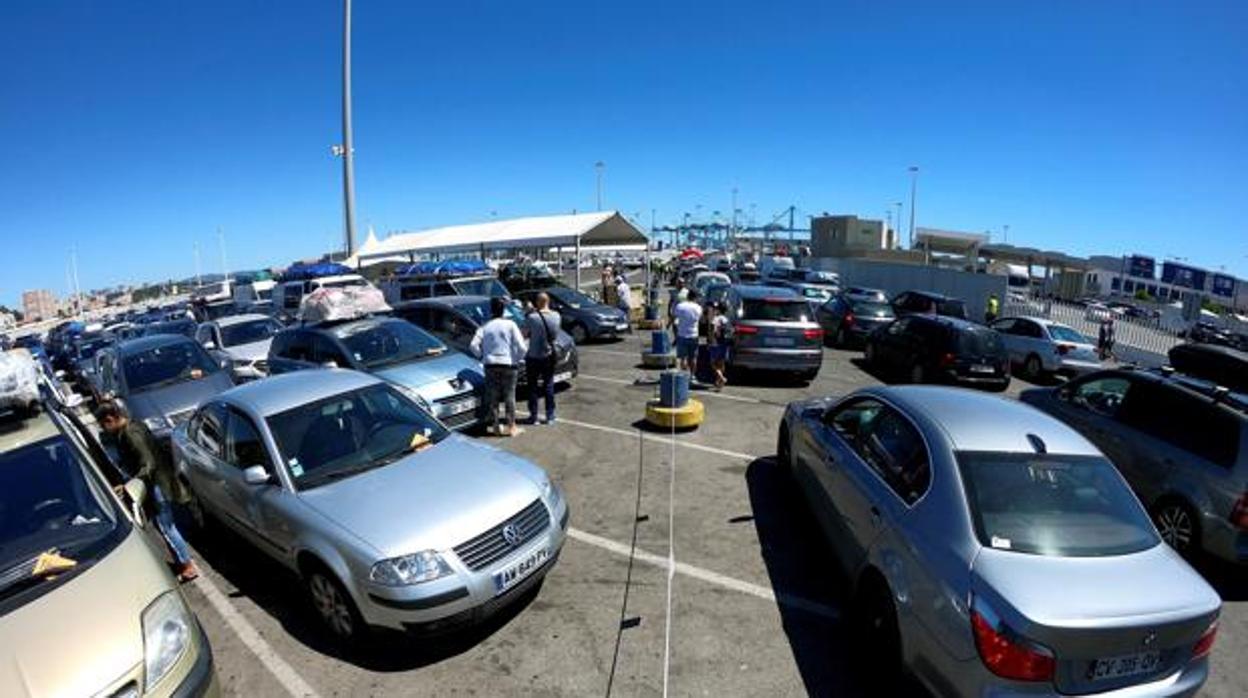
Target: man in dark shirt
pixel 144 458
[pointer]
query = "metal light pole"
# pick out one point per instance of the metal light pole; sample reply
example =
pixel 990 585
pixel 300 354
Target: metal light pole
pixel 348 152
pixel 1005 233
pixel 732 232
pixel 199 279
pixel 914 184
pixel 897 229
pixel 598 168
pixel 225 269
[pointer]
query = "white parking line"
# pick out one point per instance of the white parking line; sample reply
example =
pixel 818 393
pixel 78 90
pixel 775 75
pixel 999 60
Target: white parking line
pixel 705 575
pixel 657 440
pixel 699 394
pixel 247 634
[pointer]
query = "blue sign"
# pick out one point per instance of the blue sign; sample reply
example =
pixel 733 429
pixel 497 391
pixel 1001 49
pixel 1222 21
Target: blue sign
pixel 1141 267
pixel 1180 275
pixel 1223 286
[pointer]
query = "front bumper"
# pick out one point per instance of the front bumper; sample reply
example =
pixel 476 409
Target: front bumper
pixel 610 328
pixel 464 598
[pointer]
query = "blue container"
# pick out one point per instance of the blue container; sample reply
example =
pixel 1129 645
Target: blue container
pixel 660 342
pixel 673 389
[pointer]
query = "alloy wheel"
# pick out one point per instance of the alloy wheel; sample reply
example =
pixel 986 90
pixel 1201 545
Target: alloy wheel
pixel 1032 367
pixel 1175 524
pixel 331 606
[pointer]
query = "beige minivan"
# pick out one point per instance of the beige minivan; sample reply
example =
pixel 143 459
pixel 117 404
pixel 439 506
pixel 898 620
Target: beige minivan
pixel 88 606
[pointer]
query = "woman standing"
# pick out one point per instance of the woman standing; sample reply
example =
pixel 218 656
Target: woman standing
pixel 721 338
pixel 501 347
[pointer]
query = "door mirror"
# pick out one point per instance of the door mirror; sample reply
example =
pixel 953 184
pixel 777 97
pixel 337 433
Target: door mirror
pixel 210 345
pixel 224 362
pixel 1064 393
pixel 135 491
pixel 256 475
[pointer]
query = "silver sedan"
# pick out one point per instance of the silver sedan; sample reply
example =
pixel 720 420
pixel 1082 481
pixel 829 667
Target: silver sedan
pixel 993 551
pixel 389 518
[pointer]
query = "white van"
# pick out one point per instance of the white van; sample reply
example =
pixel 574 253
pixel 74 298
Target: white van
pixel 255 296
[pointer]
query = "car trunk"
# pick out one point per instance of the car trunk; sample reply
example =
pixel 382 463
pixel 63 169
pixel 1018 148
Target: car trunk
pixel 978 353
pixel 1086 609
pixel 777 323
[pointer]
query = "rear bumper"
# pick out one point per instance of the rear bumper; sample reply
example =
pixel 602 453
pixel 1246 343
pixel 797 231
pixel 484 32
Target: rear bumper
pixel 777 359
pixel 975 680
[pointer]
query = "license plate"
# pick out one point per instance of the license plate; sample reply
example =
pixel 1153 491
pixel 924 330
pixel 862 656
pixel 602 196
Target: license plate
pixel 621 326
pixel 563 377
pixel 461 407
pixel 982 368
pixel 777 341
pixel 1126 665
pixel 509 577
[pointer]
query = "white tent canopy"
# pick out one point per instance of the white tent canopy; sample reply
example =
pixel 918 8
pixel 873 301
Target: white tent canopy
pixel 602 229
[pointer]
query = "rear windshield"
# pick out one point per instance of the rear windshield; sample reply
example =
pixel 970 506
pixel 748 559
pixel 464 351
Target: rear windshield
pixel 1056 505
pixel 480 287
pixel 782 310
pixel 869 309
pixel 980 342
pixel 167 364
pixel 249 331
pixel 951 308
pixel 1063 333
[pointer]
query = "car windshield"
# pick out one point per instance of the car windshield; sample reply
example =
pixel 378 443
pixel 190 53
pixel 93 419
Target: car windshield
pixel 1063 333
pixel 574 299
pixel 479 313
pixel 381 344
pixel 980 342
pixel 776 309
pixel 1054 505
pixel 248 332
pixel 167 364
pixel 351 432
pixel 53 511
pixel 870 309
pixel 480 287
pixel 89 348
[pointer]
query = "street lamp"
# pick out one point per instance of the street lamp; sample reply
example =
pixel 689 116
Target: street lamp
pixel 598 168
pixel 914 184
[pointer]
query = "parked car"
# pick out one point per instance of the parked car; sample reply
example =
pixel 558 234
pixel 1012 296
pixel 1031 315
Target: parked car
pixel 817 277
pixel 994 551
pixel 243 340
pixel 873 295
pixel 1206 332
pixel 773 329
pixel 301 280
pixel 388 518
pixel 849 319
pixel 522 276
pixel 89 608
pixel 924 302
pixel 583 317
pixel 815 294
pixel 81 358
pixel 1222 365
pixel 706 279
pixel 1098 312
pixel 451 278
pixel 443 381
pixel 934 349
pixel 1184 451
pixel 183 326
pixel 19 383
pixel 1041 346
pixel 456 319
pixel 160 379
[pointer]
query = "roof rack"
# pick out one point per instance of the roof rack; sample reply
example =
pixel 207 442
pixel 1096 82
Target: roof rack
pixel 304 272
pixel 446 269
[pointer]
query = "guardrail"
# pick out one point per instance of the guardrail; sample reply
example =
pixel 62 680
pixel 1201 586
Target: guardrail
pixel 1136 340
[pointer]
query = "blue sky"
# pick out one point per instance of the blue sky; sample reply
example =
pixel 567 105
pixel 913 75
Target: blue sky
pixel 133 130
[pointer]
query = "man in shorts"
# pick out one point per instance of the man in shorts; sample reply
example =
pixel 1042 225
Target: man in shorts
pixel 685 319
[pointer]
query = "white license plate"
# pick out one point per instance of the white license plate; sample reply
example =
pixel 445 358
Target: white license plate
pixel 622 326
pixel 778 341
pixel 1126 665
pixel 462 407
pixel 563 377
pixel 981 368
pixel 509 577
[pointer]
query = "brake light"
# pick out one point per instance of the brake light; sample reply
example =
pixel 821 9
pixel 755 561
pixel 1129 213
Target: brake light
pixel 812 334
pixel 1239 512
pixel 1064 349
pixel 1205 644
pixel 947 360
pixel 849 319
pixel 744 329
pixel 1009 656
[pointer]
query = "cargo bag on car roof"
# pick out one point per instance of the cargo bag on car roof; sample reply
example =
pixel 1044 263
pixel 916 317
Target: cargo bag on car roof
pixel 341 303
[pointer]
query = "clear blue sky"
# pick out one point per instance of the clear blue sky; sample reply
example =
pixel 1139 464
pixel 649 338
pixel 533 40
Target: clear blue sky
pixel 133 129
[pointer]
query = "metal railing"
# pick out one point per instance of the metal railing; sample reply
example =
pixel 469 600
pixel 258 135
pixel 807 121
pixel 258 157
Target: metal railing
pixel 1140 341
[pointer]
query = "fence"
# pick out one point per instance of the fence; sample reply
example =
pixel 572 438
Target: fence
pixel 1136 340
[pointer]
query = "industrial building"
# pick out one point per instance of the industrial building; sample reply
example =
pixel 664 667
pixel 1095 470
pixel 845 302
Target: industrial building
pixel 38 304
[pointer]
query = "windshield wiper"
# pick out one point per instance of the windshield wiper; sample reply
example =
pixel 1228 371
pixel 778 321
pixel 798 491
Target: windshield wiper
pixel 29 573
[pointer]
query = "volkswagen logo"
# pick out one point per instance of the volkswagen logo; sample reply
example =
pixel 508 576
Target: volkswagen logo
pixel 512 535
pixel 1150 637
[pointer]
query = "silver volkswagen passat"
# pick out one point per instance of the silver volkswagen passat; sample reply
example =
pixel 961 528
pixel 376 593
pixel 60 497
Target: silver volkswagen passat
pixel 993 551
pixel 390 518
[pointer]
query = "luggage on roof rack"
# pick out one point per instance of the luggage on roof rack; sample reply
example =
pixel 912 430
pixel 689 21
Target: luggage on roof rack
pixel 449 268
pixel 338 303
pixel 303 272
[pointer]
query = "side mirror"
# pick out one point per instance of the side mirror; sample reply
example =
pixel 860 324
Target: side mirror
pixel 224 363
pixel 136 491
pixel 210 345
pixel 256 475
pixel 60 374
pixel 1064 393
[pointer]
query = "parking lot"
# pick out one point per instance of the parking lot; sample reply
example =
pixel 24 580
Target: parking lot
pixel 753 607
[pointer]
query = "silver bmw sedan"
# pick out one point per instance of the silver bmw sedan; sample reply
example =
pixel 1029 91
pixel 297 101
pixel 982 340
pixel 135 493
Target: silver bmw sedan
pixel 993 551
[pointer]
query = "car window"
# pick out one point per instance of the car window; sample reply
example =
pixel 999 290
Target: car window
pixel 1103 396
pixel 249 332
pixel 1062 333
pixel 167 364
pixel 292 295
pixel 1188 422
pixel 412 291
pixel 899 326
pixel 1051 504
pixel 209 430
pixel 1005 326
pixel 777 310
pixel 244 447
pixel 378 344
pixel 1027 328
pixel 443 288
pixel 298 347
pixel 895 450
pixel 324 350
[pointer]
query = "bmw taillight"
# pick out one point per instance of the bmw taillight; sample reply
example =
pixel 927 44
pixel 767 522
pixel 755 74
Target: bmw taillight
pixel 1009 656
pixel 812 334
pixel 1205 644
pixel 1239 512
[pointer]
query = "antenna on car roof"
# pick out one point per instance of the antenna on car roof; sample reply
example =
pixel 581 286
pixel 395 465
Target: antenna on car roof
pixel 1037 444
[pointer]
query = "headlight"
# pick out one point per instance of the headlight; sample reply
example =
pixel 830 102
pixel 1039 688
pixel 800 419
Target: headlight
pixel 415 397
pixel 552 493
pixel 166 634
pixel 606 317
pixel 416 568
pixel 157 423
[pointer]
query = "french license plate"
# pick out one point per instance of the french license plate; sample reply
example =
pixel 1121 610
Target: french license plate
pixel 982 368
pixel 509 577
pixel 461 407
pixel 563 377
pixel 777 341
pixel 1126 665
pixel 621 326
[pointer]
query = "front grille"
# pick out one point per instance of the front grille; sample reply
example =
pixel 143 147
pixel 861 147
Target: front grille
pixel 461 420
pixel 487 548
pixel 447 403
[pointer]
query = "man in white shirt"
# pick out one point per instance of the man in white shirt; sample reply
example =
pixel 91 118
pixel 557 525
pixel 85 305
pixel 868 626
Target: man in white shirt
pixel 685 319
pixel 501 347
pixel 623 295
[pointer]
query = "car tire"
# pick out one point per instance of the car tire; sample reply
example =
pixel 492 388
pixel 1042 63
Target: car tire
pixel 579 333
pixel 333 605
pixel 784 450
pixel 868 354
pixel 1178 525
pixel 1032 369
pixel 842 338
pixel 918 374
pixel 874 617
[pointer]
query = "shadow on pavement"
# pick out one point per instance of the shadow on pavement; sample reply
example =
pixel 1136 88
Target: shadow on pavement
pixel 875 372
pixel 280 593
pixel 800 564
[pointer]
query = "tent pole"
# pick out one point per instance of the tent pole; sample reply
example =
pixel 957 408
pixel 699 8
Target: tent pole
pixel 578 262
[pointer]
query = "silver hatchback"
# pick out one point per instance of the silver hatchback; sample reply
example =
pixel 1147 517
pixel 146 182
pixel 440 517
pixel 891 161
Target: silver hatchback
pixel 389 518
pixel 773 329
pixel 995 551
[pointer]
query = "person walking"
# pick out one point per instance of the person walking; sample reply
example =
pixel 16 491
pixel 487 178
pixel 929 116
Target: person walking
pixel 721 338
pixel 994 309
pixel 1105 339
pixel 539 362
pixel 685 319
pixel 501 348
pixel 141 456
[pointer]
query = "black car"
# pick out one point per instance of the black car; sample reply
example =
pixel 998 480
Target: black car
pixel 583 317
pixel 455 319
pixel 848 320
pixel 933 349
pixel 919 302
pixel 526 277
pixel 1223 365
